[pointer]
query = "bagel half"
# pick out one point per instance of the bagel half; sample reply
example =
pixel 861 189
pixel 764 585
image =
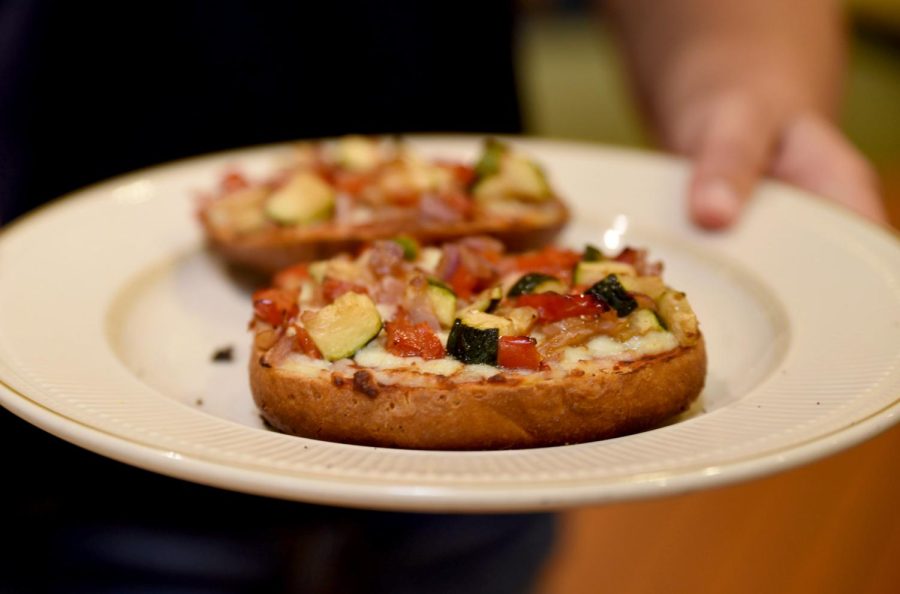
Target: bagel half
pixel 465 348
pixel 339 195
pixel 599 400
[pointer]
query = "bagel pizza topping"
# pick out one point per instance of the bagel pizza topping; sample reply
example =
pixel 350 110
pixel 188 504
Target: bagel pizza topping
pixel 611 292
pixel 472 344
pixel 405 339
pixel 518 352
pixel 536 282
pixel 343 327
pixel 391 308
pixel 552 307
pixel 368 182
pixel 274 306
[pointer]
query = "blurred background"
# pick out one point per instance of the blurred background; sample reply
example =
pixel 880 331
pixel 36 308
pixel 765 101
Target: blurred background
pixel 573 84
pixel 829 527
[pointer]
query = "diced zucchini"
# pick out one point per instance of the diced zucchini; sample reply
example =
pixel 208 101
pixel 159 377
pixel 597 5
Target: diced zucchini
pixel 357 153
pixel 489 163
pixel 335 269
pixel 483 321
pixel 536 282
pixel 240 211
pixel 408 173
pixel 345 326
pixel 501 174
pixel 486 301
pixel 592 254
pixel 611 292
pixel 588 273
pixel 305 198
pixel 443 302
pixel 473 345
pixel 678 316
pixel 652 286
pixel 643 321
pixel 410 247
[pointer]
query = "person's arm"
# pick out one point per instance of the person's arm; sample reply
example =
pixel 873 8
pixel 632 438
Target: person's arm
pixel 746 88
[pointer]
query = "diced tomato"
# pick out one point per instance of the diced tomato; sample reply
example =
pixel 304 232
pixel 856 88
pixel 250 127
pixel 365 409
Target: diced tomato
pixel 629 256
pixel 303 343
pixel 291 277
pixel 406 339
pixel 463 282
pixel 552 307
pixel 550 260
pixel 233 181
pixel 274 306
pixel 518 352
pixel 351 183
pixel 638 259
pixel 332 289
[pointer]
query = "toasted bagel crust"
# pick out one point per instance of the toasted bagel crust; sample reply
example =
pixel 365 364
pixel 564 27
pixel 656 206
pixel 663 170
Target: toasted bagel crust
pixel 508 410
pixel 271 251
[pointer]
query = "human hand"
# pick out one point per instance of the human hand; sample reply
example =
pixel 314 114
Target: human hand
pixel 733 142
pixel 745 88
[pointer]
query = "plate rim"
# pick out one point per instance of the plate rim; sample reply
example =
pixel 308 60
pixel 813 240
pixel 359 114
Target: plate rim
pixel 750 467
pixel 449 498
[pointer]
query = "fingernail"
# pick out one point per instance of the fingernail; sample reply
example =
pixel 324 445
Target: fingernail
pixel 717 204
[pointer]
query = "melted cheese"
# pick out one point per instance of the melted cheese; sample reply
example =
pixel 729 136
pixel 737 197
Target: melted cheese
pixel 374 356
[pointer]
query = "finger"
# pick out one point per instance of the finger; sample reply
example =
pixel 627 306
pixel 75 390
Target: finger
pixel 815 156
pixel 732 154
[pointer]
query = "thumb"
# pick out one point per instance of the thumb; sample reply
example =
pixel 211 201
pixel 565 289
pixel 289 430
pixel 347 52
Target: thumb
pixel 732 152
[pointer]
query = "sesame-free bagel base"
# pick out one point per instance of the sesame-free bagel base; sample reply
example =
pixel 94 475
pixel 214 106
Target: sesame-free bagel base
pixel 505 411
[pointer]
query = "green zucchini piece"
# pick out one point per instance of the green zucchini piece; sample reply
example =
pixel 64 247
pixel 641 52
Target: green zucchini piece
pixel 487 301
pixel 489 163
pixel 592 254
pixel 443 301
pixel 305 198
pixel 483 321
pixel 345 326
pixel 472 345
pixel 410 247
pixel 501 174
pixel 643 321
pixel 536 282
pixel 611 292
pixel 357 153
pixel 678 317
pixel 588 273
pixel 495 296
pixel 652 286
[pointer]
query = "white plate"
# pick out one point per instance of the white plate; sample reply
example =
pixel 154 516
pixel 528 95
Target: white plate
pixel 110 311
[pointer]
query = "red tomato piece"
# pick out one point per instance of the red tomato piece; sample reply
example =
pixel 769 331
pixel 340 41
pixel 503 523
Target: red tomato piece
pixel 303 343
pixel 291 277
pixel 233 181
pixel 463 282
pixel 552 307
pixel 274 306
pixel 406 339
pixel 550 260
pixel 462 173
pixel 332 289
pixel 518 352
